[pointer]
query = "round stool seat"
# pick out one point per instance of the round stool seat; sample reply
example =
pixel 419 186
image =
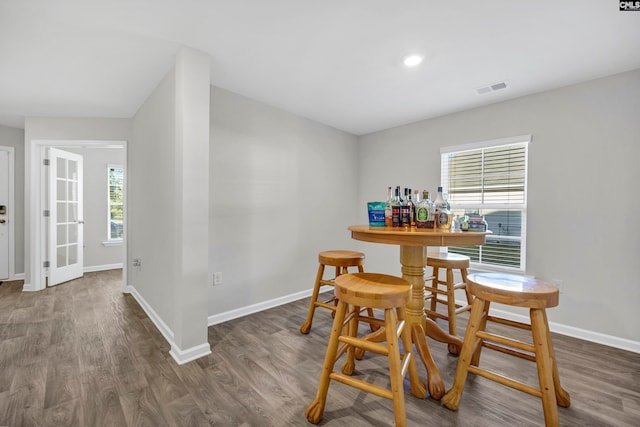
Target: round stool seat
pixel 341 258
pixel 447 260
pixel 372 290
pixel 511 289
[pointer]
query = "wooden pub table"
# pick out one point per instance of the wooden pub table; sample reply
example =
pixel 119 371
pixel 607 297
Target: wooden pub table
pixel 413 257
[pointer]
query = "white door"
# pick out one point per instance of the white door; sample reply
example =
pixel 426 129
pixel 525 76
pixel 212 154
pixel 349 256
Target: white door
pixel 65 210
pixel 4 218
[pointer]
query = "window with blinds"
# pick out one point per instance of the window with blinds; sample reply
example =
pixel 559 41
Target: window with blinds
pixel 115 214
pixel 489 180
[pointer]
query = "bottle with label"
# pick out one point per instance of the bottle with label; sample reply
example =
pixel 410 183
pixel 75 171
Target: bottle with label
pixel 425 212
pixel 443 214
pixel 415 200
pixel 388 215
pixel 405 209
pixel 395 209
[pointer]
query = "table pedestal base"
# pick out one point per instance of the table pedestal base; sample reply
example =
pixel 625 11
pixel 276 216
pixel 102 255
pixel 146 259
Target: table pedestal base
pixel 413 260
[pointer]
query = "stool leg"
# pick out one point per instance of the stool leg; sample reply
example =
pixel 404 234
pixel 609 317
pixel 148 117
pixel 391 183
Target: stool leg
pixel 545 368
pixel 451 303
pixel 418 388
pixel 395 367
pixel 463 273
pixel 475 359
pixel 452 399
pixel 349 364
pixel 315 410
pixel 434 299
pixel 562 396
pixel 306 326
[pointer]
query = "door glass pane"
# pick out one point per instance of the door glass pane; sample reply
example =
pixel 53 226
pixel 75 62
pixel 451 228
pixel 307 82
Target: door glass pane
pixel 62 212
pixel 73 191
pixel 73 170
pixel 62 168
pixel 62 234
pixel 73 254
pixel 62 256
pixel 62 189
pixel 73 233
pixel 73 212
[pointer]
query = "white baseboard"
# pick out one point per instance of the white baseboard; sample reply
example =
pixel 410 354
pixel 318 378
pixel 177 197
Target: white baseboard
pixel 18 276
pixel 28 287
pixel 245 311
pixel 583 334
pixel 166 332
pixel 179 355
pixel 193 353
pixel 93 268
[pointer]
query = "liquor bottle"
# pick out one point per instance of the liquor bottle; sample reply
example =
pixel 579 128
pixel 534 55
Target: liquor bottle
pixel 443 214
pixel 388 214
pixel 412 209
pixel 425 212
pixel 405 209
pixel 416 201
pixel 395 209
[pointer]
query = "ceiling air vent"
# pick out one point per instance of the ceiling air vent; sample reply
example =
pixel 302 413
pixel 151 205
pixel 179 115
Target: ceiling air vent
pixel 491 88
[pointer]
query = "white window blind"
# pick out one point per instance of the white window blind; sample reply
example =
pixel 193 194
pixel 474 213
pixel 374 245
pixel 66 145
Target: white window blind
pixel 489 179
pixel 115 193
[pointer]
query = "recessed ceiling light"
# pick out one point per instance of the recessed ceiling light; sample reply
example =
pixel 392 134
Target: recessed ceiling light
pixel 412 60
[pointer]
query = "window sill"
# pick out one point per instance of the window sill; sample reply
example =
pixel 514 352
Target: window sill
pixel 110 243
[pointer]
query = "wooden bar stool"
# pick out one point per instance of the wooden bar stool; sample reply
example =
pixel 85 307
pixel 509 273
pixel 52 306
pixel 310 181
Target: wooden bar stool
pixel 341 260
pixel 516 291
pixel 378 291
pixel 448 262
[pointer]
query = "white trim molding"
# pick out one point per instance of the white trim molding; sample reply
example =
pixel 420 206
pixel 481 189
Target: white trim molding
pixel 254 308
pixel 185 356
pixel 180 356
pixel 583 334
pixel 104 267
pixel 166 332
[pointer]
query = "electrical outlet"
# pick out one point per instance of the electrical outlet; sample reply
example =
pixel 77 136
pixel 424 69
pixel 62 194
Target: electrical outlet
pixel 137 262
pixel 217 278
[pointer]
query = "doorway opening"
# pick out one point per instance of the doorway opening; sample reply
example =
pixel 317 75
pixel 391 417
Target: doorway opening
pixel 64 244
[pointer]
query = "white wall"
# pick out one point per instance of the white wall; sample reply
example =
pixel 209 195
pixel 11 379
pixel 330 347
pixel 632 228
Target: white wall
pixel 168 200
pixel 582 202
pixel 13 137
pixel 95 161
pixel 282 189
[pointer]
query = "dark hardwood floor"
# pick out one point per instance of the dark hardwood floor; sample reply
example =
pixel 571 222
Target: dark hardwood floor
pixel 84 354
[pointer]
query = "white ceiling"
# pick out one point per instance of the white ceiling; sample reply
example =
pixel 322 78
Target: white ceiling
pixel 334 61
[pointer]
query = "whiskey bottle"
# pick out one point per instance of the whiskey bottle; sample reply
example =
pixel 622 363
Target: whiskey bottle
pixel 395 209
pixel 388 214
pixel 443 214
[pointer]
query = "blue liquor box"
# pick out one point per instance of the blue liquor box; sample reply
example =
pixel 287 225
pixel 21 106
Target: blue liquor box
pixel 376 213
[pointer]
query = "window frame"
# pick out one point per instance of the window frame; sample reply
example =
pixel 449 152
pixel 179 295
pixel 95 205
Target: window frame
pixel 111 239
pixel 524 140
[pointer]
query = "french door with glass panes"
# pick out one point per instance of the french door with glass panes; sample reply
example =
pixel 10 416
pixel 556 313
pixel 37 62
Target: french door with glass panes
pixel 65 217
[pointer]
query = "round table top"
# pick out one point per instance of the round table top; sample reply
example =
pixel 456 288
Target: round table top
pixel 416 236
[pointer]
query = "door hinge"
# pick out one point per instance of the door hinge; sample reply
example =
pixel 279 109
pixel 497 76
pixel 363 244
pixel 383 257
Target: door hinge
pixel 45 264
pixel 46 212
pixel 45 162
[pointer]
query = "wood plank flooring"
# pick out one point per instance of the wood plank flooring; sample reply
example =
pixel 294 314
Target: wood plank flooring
pixel 84 354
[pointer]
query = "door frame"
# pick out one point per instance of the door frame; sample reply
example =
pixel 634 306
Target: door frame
pixel 37 202
pixel 11 214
